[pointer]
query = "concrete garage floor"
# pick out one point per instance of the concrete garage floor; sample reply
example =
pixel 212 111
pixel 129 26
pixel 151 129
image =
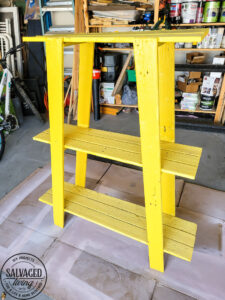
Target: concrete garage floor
pixel 97 257
pixel 86 261
pixel 23 155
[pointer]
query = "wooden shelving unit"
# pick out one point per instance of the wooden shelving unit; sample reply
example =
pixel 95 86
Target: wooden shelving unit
pixel 155 224
pixel 217 112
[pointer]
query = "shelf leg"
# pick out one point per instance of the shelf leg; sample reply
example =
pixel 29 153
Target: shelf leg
pixel 55 71
pixel 167 117
pixel 84 104
pixel 146 63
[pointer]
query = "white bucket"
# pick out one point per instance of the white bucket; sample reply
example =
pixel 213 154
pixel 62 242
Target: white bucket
pixel 189 12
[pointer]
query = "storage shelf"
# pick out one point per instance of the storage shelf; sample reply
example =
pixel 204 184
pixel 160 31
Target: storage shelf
pixel 198 110
pixel 119 105
pixel 116 49
pixel 199 49
pixel 177 108
pixel 177 159
pixel 176 49
pixel 57 8
pixel 200 67
pixel 126 218
pixel 199 24
pixel 119 25
pixel 150 25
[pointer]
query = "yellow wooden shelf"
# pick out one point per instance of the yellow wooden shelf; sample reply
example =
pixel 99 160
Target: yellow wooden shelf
pixel 160 158
pixel 177 159
pixel 126 218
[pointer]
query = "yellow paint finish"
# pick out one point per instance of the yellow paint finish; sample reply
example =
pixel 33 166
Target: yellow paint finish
pixel 84 104
pixel 177 159
pixel 156 151
pixel 126 218
pixel 55 73
pixel 166 63
pixel 187 35
pixel 146 64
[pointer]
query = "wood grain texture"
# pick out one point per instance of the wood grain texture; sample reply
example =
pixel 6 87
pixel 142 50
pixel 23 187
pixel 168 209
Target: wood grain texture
pixel 187 35
pixel 147 76
pixel 166 62
pixel 84 104
pixel 54 55
pixel 126 218
pixel 177 159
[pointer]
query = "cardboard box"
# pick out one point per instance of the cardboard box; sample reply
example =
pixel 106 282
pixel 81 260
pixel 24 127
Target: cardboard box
pixel 191 87
pixel 195 57
pixel 193 75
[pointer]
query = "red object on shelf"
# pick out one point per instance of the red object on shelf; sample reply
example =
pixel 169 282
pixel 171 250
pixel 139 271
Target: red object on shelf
pixel 96 74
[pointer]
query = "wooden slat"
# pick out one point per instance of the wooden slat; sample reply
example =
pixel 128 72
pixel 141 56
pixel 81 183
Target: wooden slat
pixel 177 159
pixel 126 218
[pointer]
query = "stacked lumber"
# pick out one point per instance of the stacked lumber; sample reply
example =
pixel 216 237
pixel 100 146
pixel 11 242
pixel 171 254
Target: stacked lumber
pixel 107 12
pixel 107 21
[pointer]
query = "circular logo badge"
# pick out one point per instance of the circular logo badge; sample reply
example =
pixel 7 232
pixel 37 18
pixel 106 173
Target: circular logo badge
pixel 23 276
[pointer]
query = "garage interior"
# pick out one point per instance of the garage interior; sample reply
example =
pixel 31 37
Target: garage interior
pixel 85 260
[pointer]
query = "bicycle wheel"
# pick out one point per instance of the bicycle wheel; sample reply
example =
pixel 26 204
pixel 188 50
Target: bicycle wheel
pixel 2 143
pixel 24 95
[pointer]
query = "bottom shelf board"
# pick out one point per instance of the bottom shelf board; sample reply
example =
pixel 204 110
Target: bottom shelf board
pixel 126 218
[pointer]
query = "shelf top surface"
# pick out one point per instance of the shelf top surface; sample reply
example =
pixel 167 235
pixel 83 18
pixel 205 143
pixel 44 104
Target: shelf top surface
pixel 187 35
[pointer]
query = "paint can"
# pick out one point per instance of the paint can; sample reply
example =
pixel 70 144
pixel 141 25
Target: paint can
pixel 175 11
pixel 199 12
pixel 211 11
pixel 222 15
pixel 189 11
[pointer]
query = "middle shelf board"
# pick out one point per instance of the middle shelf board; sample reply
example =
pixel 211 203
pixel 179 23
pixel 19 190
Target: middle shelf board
pixel 126 218
pixel 177 159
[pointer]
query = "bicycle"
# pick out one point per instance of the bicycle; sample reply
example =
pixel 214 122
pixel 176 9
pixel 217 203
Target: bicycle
pixel 9 122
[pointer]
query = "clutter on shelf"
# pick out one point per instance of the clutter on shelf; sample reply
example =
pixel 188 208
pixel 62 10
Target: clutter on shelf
pixel 189 82
pixel 107 13
pixel 198 92
pixel 195 11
